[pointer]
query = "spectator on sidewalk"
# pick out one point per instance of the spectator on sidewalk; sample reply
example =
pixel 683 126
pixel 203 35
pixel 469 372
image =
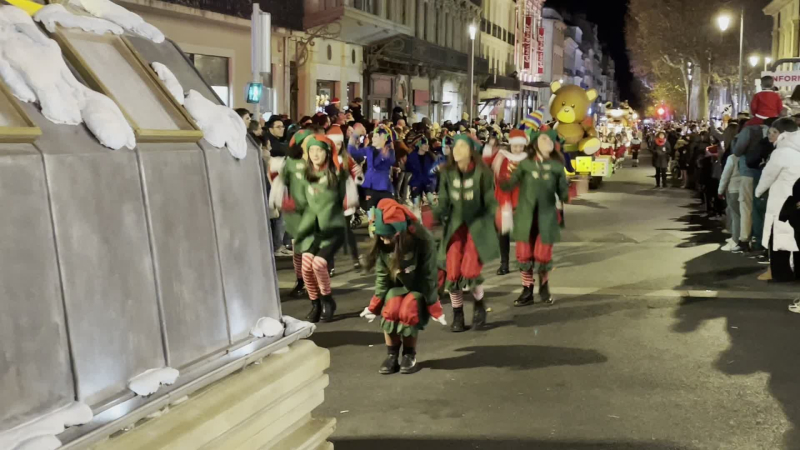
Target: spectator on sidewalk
pixel 661 154
pixel 766 103
pixel 729 189
pixel 275 129
pixel 748 141
pixel 779 176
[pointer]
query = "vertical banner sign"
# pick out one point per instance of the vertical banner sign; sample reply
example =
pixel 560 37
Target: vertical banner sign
pixel 527 36
pixel 540 53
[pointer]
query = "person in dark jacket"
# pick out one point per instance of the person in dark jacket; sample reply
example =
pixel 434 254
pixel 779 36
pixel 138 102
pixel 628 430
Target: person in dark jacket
pixel 661 151
pixel 790 212
pixel 273 134
pixel 419 164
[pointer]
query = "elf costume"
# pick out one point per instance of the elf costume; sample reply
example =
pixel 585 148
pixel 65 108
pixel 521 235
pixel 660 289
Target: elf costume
pixel 537 220
pixel 405 291
pixel 466 208
pixel 292 166
pixel 321 225
pixel 504 163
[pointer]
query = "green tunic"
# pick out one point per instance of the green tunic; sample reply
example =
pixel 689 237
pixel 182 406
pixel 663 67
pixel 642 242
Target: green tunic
pixel 540 182
pixel 468 199
pixel 321 220
pixel 293 174
pixel 417 276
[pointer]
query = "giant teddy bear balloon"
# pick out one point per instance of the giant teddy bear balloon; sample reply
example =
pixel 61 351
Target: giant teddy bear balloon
pixel 569 106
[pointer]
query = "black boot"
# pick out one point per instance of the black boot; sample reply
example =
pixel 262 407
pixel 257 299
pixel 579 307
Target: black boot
pixel 458 320
pixel 479 315
pixel 390 364
pixel 315 313
pixel 299 289
pixel 328 307
pixel 409 362
pixel 544 294
pixel 526 297
pixel 503 270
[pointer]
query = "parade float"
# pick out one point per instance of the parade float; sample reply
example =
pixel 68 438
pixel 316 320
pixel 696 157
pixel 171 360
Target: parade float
pixel 140 296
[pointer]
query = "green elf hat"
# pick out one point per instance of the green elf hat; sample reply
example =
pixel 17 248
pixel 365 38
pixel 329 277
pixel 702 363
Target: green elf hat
pixel 318 141
pixel 391 218
pixel 421 142
pixel 474 145
pixel 549 132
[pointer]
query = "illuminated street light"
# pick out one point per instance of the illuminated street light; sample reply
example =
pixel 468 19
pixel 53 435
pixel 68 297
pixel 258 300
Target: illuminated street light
pixel 754 60
pixel 473 31
pixel 723 22
pixel 661 111
pixel 767 62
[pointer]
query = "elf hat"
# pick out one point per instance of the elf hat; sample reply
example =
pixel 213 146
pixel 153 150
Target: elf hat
pixel 473 144
pixel 421 142
pixel 549 132
pixel 335 134
pixel 517 137
pixel 391 218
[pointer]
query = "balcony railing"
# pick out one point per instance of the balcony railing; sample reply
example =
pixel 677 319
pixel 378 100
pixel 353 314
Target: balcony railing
pixel 237 8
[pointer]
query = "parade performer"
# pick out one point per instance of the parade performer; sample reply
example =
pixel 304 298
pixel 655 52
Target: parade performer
pixel 636 146
pixel 537 220
pixel 404 258
pixel 321 228
pixel 503 163
pixel 292 166
pixel 466 208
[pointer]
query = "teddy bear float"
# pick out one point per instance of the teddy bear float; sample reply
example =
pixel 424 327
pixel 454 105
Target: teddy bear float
pixel 569 106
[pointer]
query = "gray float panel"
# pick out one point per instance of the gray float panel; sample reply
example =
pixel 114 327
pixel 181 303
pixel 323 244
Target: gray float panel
pixel 35 373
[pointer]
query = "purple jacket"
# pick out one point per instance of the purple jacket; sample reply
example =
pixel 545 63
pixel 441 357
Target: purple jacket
pixel 379 167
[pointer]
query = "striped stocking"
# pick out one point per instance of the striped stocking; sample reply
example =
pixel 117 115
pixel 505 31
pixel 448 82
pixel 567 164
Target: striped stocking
pixel 297 262
pixel 457 298
pixel 323 277
pixel 308 276
pixel 527 277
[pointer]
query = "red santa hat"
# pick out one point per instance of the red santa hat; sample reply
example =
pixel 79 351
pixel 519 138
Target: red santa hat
pixel 335 134
pixel 517 137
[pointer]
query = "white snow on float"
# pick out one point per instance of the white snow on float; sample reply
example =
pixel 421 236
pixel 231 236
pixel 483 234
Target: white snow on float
pixel 221 125
pixel 148 382
pixel 33 67
pixel 296 325
pixel 170 81
pixel 132 22
pixel 55 14
pixel 41 433
pixel 267 327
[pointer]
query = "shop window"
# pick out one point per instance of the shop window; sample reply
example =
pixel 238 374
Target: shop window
pixel 216 71
pixel 325 92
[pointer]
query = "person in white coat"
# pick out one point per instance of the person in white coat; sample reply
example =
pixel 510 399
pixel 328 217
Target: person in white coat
pixel 779 176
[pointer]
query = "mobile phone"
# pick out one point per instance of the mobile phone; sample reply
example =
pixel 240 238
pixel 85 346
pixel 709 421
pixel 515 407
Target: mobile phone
pixel 361 139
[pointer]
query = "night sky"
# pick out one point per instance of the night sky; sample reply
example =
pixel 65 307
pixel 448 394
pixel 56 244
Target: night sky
pixel 609 15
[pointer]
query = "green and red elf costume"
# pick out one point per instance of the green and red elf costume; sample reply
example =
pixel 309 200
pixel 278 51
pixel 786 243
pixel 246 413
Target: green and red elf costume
pixel 405 282
pixel 292 166
pixel 321 225
pixel 466 208
pixel 537 219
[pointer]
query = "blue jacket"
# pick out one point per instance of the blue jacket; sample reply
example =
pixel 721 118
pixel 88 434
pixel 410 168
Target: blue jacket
pixel 420 169
pixel 379 167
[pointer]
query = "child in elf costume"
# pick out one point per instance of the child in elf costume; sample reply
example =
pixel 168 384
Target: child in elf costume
pixel 404 258
pixel 321 227
pixel 292 166
pixel 466 208
pixel 541 181
pixel 504 163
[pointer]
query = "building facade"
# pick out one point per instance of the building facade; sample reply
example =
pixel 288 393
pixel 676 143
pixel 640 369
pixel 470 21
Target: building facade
pixel 499 96
pixel 785 28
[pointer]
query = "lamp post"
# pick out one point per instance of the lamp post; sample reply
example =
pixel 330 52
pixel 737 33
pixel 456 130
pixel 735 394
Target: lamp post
pixel 724 21
pixel 473 31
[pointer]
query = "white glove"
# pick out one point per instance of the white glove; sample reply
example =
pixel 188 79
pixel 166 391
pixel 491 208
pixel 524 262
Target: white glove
pixel 441 320
pixel 367 314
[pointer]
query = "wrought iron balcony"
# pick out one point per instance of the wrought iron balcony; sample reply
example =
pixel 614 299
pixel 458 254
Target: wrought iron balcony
pixel 237 8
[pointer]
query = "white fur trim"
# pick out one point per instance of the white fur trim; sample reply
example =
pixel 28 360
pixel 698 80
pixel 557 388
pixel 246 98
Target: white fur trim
pixel 518 141
pixel 488 150
pixel 276 193
pixel 276 164
pixel 351 194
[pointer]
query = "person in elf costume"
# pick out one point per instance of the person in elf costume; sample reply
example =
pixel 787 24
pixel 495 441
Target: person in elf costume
pixel 320 230
pixel 346 162
pixel 292 166
pixel 503 163
pixel 404 258
pixel 466 208
pixel 537 220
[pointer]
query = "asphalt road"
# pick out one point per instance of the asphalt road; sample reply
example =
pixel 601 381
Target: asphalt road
pixel 658 340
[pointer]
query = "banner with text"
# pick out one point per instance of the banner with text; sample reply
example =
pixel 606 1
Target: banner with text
pixel 540 52
pixel 784 79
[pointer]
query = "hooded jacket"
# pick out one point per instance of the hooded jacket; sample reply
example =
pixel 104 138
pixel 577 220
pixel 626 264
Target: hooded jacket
pixel 779 177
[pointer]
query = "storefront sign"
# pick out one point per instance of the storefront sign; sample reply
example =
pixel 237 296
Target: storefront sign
pixel 540 53
pixel 784 79
pixel 526 43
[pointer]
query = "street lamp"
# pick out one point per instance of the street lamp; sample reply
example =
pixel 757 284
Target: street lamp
pixel 754 60
pixel 473 31
pixel 767 62
pixel 724 21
